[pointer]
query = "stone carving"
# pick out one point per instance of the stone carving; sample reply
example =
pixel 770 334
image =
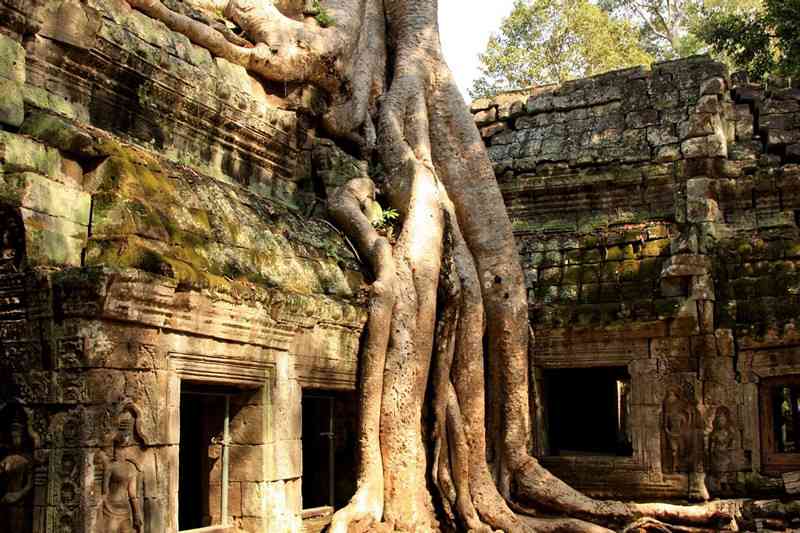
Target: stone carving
pixel 12 239
pixel 120 509
pixel 683 434
pixel 721 441
pixel 678 425
pixel 722 450
pixel 73 23
pixel 16 477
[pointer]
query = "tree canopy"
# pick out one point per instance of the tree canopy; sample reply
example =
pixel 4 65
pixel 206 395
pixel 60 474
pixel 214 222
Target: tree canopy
pixel 545 41
pixel 760 41
pixel 549 41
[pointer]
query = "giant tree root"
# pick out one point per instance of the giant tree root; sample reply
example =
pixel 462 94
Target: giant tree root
pixel 452 279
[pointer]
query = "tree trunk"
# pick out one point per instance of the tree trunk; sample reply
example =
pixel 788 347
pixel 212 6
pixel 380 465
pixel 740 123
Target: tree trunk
pixel 452 279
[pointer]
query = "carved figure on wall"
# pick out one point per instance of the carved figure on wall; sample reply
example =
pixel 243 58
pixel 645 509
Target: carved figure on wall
pixel 721 449
pixel 721 442
pixel 677 429
pixel 683 434
pixel 16 481
pixel 121 509
pixel 12 239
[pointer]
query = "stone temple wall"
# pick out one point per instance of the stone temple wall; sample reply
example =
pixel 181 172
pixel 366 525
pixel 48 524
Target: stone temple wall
pixel 160 239
pixel 157 232
pixel 656 213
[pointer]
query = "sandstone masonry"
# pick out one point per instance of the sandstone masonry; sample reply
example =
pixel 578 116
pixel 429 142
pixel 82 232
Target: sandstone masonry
pixel 159 237
pixel 656 216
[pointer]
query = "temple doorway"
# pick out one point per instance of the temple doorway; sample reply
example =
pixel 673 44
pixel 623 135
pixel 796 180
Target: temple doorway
pixel 329 448
pixel 203 456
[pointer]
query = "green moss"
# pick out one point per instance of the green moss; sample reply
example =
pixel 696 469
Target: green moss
pixel 791 248
pixel 11 188
pixel 60 133
pixel 618 253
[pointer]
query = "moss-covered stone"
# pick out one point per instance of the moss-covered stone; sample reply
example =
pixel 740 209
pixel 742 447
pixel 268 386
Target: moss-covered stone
pixel 60 133
pixel 12 59
pixel 39 98
pixel 549 276
pixel 593 255
pixel 20 154
pixel 12 106
pixel 572 275
pixel 46 196
pixel 619 253
pixel 655 248
pixel 52 240
pixel 170 220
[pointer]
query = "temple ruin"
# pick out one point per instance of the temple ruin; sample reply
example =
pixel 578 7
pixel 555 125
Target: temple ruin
pixel 180 324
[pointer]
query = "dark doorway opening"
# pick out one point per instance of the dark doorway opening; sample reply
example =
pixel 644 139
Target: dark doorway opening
pixel 587 411
pixel 203 416
pixel 329 448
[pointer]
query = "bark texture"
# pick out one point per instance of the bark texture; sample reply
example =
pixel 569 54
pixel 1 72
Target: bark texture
pixel 451 281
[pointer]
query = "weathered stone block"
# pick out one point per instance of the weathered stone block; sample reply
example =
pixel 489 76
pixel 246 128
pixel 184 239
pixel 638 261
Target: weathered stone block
pixel 670 348
pixel 686 265
pixel 640 119
pixel 507 110
pixel 779 137
pixel 700 204
pixel 662 135
pixel 43 195
pixel 47 101
pixel 709 146
pixel 59 133
pixel 655 248
pixel 481 104
pixel 12 59
pixel 482 118
pixel 493 129
pixel 12 105
pixel 247 463
pixel 235 499
pixel 715 86
pixel 253 502
pixel 793 153
pixel 248 425
pixel 52 240
pixel 20 154
pixel 288 459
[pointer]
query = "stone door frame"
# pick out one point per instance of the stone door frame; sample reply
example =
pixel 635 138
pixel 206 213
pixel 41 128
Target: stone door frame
pixel 218 369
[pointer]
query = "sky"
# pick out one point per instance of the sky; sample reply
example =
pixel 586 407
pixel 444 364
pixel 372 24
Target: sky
pixel 465 27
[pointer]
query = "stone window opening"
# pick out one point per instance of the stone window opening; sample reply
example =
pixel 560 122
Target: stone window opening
pixel 587 411
pixel 780 424
pixel 329 453
pixel 205 414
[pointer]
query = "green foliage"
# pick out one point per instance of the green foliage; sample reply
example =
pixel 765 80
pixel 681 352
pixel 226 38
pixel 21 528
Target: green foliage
pixel 760 41
pixel 322 17
pixel 388 217
pixel 546 41
pixel 385 221
pixel 669 29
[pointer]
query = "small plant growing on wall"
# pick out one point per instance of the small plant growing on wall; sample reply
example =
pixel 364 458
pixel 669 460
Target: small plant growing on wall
pixel 322 16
